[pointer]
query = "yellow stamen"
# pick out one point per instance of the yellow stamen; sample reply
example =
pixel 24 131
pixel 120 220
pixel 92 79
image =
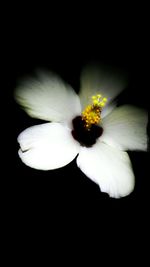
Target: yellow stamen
pixel 92 113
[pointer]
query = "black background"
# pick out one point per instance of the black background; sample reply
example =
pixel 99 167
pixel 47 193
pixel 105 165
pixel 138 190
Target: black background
pixel 65 201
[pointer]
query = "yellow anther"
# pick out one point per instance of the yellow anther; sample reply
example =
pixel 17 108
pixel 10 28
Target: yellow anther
pixel 99 96
pixel 91 114
pixel 102 104
pixel 95 102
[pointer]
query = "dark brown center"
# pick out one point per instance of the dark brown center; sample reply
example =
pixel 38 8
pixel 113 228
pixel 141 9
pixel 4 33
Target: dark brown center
pixel 86 137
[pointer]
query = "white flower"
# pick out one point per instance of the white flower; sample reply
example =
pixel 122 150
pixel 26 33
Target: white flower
pixel 99 134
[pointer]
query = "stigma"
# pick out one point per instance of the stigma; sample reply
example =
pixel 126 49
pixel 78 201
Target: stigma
pixel 91 115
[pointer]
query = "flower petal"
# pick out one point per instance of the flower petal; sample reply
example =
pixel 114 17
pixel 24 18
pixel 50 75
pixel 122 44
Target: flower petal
pixel 125 128
pixel 109 168
pixel 48 98
pixel 101 80
pixel 47 146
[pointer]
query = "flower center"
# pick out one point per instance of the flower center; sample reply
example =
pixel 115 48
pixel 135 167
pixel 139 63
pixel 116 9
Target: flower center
pixel 85 128
pixel 91 114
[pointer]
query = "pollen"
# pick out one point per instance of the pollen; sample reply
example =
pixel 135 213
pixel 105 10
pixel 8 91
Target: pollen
pixel 92 113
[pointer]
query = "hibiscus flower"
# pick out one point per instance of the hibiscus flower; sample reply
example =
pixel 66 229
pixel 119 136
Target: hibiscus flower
pixel 89 126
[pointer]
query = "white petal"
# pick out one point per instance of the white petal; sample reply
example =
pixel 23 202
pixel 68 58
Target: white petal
pixel 125 128
pixel 47 146
pixel 101 80
pixel 108 109
pixel 109 168
pixel 48 98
